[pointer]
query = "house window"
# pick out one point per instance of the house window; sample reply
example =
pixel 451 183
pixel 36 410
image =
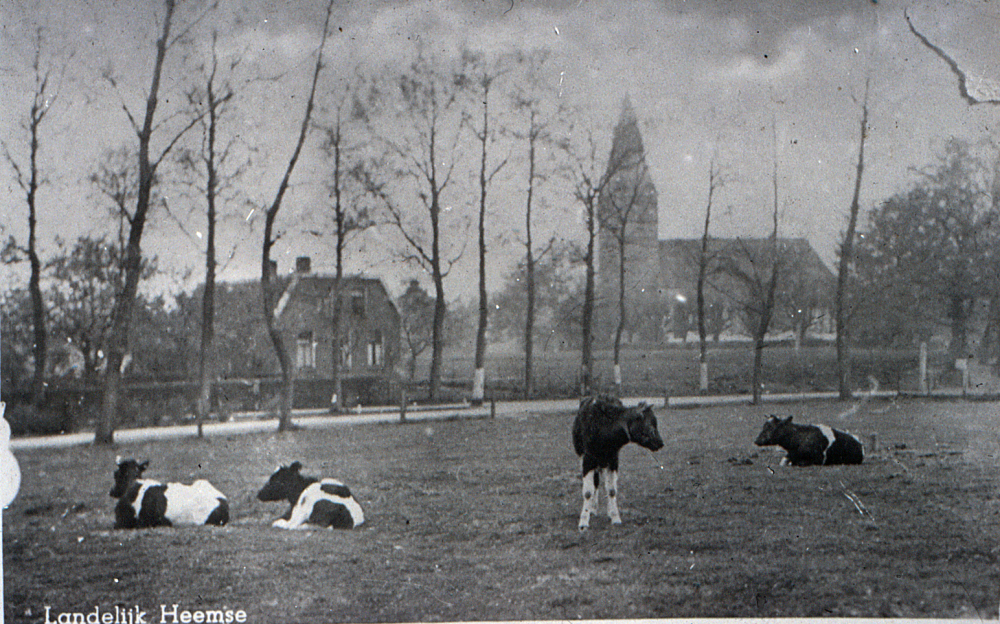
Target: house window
pixel 358 302
pixel 345 354
pixel 305 351
pixel 375 350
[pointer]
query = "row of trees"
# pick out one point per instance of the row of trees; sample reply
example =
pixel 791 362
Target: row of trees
pixel 924 258
pixel 396 146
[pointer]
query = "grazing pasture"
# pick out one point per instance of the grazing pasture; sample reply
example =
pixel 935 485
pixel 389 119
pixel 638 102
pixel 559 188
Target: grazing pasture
pixel 477 520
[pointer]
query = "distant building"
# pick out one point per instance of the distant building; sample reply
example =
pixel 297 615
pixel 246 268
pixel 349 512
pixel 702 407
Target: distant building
pixel 660 276
pixel 369 326
pixel 369 320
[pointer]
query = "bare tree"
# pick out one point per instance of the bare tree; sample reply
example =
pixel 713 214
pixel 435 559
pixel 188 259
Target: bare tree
pixel 349 216
pixel 268 289
pixel 623 204
pixel 528 100
pixel 481 78
pixel 212 101
pixel 626 203
pixel 715 182
pixel 767 310
pixel 29 179
pixel 125 302
pixel 757 265
pixel 846 260
pixel 588 185
pixel 424 149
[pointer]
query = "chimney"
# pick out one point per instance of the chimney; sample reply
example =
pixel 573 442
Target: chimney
pixel 302 265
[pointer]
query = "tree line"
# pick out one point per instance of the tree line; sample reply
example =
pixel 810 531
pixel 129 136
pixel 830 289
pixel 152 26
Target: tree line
pixel 416 153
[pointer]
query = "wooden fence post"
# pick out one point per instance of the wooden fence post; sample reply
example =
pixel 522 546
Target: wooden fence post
pixel 923 368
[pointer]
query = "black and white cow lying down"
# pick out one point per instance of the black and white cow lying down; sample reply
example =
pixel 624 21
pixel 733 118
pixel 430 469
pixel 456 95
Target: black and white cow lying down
pixel 811 445
pixel 325 503
pixel 602 427
pixel 147 503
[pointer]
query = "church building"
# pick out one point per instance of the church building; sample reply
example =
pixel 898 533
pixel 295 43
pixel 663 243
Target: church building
pixel 660 276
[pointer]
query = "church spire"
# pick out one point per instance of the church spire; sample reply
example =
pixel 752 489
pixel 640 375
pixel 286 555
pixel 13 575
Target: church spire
pixel 626 144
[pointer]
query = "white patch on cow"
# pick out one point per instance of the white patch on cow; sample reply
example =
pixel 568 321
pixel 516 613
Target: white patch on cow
pixel 591 496
pixel 828 433
pixel 830 436
pixel 144 484
pixel 191 504
pixel 309 497
pixel 609 478
pixel 589 500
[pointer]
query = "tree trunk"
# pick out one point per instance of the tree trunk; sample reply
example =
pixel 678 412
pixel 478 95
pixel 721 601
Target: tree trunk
pixel 586 355
pixel 40 346
pixel 206 361
pixel 269 290
pixel 768 308
pixel 843 270
pixel 125 301
pixel 437 337
pixel 959 314
pixel 479 381
pixel 700 287
pixel 336 365
pixel 529 313
pixel 621 314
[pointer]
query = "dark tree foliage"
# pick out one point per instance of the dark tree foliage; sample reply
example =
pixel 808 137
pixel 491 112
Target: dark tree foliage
pixel 925 254
pixel 87 279
pixel 416 310
pixel 559 280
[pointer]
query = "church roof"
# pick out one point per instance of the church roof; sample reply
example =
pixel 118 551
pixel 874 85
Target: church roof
pixel 679 259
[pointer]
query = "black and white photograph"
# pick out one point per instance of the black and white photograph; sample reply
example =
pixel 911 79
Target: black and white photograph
pixel 499 310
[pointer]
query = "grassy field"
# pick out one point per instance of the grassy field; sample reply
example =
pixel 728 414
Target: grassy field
pixel 476 520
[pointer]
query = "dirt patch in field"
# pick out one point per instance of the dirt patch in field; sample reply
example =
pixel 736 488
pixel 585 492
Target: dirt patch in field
pixel 476 520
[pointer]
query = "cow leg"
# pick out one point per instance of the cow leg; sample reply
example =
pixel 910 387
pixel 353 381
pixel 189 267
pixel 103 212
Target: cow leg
pixel 299 516
pixel 590 481
pixel 610 479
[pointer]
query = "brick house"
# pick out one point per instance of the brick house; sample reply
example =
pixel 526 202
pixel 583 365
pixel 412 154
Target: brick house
pixel 370 327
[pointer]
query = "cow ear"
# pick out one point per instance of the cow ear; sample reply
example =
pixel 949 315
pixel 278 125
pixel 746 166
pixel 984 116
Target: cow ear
pixel 788 420
pixel 144 465
pixel 296 466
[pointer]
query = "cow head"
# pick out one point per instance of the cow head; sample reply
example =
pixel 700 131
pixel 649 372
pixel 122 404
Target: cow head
pixel 775 429
pixel 126 473
pixel 641 424
pixel 285 484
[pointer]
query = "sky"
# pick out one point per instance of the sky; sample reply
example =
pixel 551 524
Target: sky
pixel 744 83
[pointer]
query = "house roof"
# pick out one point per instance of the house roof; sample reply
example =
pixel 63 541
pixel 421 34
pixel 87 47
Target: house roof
pixel 320 286
pixel 679 257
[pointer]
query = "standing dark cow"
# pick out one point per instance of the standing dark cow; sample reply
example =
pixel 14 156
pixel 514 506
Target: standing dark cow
pixel 326 503
pixel 146 503
pixel 811 445
pixel 602 427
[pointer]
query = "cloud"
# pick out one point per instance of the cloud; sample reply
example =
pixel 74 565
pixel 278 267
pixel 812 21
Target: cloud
pixel 746 67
